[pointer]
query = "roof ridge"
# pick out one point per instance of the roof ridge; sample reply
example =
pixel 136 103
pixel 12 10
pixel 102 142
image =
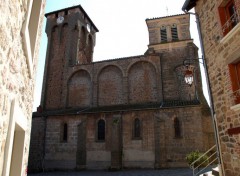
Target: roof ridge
pixel 154 18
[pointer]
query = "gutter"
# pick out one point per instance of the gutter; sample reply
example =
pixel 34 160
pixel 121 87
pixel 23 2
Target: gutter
pixel 185 5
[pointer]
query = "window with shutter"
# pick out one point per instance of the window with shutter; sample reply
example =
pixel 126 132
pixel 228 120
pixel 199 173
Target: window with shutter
pixel 228 16
pixel 234 71
pixel 163 32
pixel 174 33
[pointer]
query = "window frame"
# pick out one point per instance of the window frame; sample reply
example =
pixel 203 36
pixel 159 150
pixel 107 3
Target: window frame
pixel 30 30
pixel 134 137
pixel 174 29
pixel 98 132
pixel 163 29
pixel 64 132
pixel 225 16
pixel 234 73
pixel 177 128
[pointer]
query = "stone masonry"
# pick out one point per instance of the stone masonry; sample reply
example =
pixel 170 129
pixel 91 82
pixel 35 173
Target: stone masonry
pixel 222 50
pixel 16 82
pixel 173 118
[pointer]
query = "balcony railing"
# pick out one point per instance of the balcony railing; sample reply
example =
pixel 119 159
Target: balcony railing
pixel 206 160
pixel 231 22
pixel 235 98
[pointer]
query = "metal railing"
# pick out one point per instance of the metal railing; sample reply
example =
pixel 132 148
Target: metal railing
pixel 207 159
pixel 230 23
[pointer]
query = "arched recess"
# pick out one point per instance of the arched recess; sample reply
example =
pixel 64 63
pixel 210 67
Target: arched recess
pixel 110 86
pixel 80 89
pixel 73 60
pixel 142 83
pixel 83 38
pixel 89 49
pixel 82 46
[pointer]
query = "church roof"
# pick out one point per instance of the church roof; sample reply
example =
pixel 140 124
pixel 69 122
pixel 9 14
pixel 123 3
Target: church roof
pixel 155 18
pixel 130 107
pixel 120 58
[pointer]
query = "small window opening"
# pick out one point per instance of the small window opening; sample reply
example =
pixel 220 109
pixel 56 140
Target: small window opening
pixel 177 128
pixel 101 130
pixel 64 132
pixel 174 33
pixel 137 128
pixel 163 32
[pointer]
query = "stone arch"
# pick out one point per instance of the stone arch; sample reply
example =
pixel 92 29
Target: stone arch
pixel 142 83
pixel 79 89
pixel 101 130
pixel 110 86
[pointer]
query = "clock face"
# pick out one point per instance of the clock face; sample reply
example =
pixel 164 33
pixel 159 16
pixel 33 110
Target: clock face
pixel 60 19
pixel 88 27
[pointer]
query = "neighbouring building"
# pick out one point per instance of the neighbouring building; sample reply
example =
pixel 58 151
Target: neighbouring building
pixel 133 112
pixel 220 29
pixel 20 35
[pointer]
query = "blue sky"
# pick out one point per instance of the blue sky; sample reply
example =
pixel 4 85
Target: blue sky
pixel 122 28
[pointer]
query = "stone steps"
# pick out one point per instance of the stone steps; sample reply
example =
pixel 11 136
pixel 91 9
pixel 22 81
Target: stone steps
pixel 213 172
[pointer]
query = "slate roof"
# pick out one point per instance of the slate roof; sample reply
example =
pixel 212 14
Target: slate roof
pixel 146 106
pixel 155 18
pixel 73 7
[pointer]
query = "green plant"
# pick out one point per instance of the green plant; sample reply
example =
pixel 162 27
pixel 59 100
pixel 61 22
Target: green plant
pixel 195 155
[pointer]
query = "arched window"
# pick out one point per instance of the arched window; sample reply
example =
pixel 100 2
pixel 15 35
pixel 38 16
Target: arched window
pixel 137 128
pixel 64 132
pixel 174 32
pixel 101 130
pixel 177 128
pixel 163 33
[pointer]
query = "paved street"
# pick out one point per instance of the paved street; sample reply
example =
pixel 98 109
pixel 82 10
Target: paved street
pixel 164 172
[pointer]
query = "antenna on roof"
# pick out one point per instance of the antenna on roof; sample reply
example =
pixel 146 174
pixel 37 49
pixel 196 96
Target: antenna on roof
pixel 166 7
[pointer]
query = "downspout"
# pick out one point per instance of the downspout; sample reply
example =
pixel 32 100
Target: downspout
pixel 161 80
pixel 213 113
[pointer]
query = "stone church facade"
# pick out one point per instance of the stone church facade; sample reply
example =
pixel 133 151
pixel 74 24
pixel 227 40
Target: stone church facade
pixel 133 112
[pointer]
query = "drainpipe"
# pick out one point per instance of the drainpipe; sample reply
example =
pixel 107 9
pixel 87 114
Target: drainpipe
pixel 213 113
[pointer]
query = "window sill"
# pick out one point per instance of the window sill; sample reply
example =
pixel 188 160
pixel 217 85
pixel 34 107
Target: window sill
pixel 229 35
pixel 100 141
pixel 235 107
pixel 136 138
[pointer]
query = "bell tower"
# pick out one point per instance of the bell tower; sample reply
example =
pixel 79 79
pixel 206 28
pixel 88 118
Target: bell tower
pixel 71 40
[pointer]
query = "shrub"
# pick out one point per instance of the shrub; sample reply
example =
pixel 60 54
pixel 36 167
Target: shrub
pixel 194 155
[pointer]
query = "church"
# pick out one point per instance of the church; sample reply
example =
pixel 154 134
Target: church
pixel 132 112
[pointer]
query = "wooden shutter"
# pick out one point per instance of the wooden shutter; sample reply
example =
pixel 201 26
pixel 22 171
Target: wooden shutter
pixel 234 70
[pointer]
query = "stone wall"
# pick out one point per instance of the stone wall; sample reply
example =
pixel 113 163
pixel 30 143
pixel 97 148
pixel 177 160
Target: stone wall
pixel 121 81
pixel 220 51
pixel 116 92
pixel 16 82
pixel 157 147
